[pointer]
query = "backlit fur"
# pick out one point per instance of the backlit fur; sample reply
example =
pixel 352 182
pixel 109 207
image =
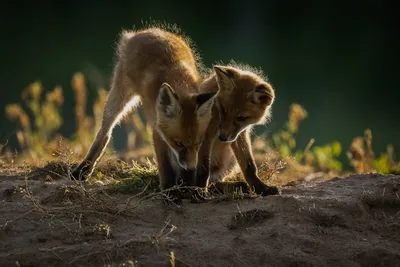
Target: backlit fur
pixel 244 99
pixel 158 68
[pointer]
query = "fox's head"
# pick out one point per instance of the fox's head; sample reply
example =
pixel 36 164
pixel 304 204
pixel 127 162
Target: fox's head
pixel 244 99
pixel 182 123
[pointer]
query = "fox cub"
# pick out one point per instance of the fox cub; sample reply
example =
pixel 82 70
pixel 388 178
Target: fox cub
pixel 244 99
pixel 158 69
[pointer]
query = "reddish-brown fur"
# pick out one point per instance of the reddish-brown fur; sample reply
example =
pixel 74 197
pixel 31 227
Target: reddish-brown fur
pixel 157 68
pixel 244 100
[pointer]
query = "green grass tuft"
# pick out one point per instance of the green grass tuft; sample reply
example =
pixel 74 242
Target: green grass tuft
pixel 141 178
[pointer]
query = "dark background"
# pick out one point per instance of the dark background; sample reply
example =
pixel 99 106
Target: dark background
pixel 339 59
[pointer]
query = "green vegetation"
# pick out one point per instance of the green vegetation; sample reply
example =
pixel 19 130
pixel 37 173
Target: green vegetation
pixel 323 158
pixel 141 178
pixel 38 121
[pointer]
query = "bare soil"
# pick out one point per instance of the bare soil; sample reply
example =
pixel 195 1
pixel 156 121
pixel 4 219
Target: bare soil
pixel 48 220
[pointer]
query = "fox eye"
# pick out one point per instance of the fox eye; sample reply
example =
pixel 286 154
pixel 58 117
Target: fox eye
pixel 179 144
pixel 242 118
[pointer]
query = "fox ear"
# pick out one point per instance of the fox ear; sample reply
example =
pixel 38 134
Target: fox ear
pixel 225 76
pixel 205 103
pixel 167 101
pixel 263 94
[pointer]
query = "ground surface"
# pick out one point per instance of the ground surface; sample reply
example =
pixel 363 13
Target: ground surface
pixel 48 220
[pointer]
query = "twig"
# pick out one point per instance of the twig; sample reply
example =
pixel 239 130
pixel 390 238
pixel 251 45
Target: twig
pixel 16 218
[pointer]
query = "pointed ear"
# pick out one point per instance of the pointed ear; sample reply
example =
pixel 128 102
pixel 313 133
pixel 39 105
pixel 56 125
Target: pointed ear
pixel 167 101
pixel 225 77
pixel 263 94
pixel 205 103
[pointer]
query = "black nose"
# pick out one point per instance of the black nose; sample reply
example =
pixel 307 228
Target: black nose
pixel 223 138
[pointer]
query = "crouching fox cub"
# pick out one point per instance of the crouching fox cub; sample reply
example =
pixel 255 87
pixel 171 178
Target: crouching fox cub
pixel 244 99
pixel 158 69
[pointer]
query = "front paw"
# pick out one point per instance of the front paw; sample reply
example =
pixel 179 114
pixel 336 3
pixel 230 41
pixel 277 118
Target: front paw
pixel 199 195
pixel 173 196
pixel 265 190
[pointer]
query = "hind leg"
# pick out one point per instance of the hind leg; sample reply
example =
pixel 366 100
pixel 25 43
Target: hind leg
pixel 120 101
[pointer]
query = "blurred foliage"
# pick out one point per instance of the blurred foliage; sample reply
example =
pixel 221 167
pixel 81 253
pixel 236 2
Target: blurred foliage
pixel 323 158
pixel 39 118
pixel 39 122
pixel 363 159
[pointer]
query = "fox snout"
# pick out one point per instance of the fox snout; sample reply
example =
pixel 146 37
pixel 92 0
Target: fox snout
pixel 227 130
pixel 188 159
pixel 227 138
pixel 227 133
pixel 223 138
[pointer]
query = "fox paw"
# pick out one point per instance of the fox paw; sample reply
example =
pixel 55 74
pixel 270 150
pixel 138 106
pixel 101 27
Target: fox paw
pixel 199 195
pixel 265 190
pixel 173 197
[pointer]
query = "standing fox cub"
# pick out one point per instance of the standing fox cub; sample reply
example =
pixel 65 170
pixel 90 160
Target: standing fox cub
pixel 244 99
pixel 158 69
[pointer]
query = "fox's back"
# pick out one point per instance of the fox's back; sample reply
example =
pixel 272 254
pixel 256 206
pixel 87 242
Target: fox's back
pixel 155 54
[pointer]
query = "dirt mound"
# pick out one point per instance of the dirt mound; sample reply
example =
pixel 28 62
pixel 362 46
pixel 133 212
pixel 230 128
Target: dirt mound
pixel 351 221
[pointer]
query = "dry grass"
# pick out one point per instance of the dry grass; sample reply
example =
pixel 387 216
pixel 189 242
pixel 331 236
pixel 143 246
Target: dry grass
pixel 248 218
pixel 280 161
pixel 39 120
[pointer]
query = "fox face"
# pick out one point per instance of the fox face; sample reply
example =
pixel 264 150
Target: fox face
pixel 182 123
pixel 243 99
